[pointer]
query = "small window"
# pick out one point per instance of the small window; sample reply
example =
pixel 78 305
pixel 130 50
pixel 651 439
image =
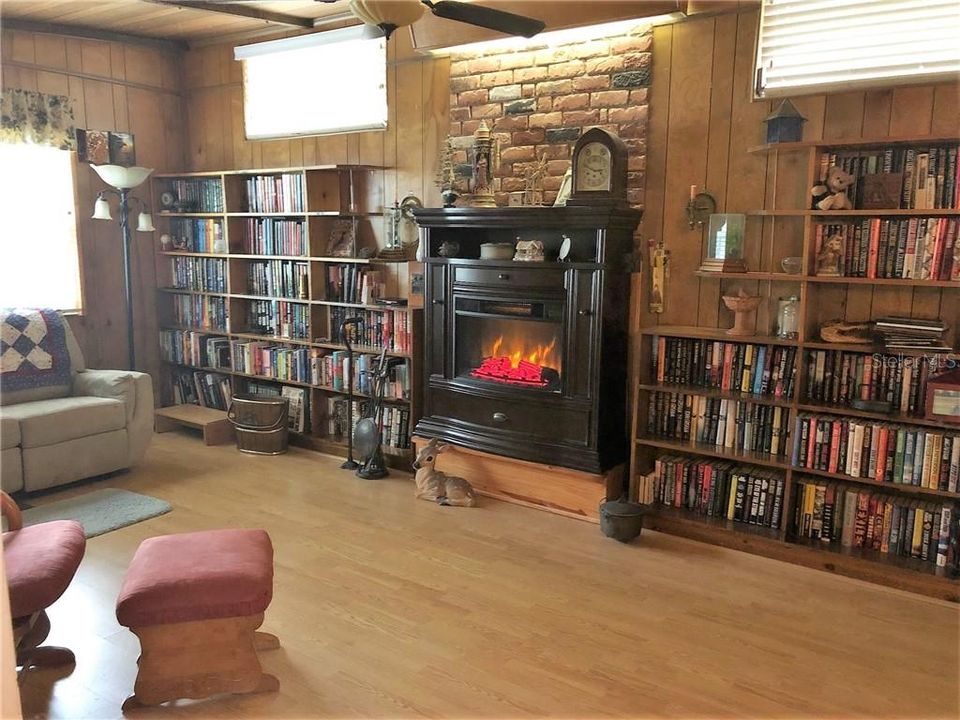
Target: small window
pixel 319 84
pixel 815 46
pixel 39 260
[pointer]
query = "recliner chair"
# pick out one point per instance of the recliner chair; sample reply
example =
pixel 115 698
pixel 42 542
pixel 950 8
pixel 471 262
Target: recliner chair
pixel 40 561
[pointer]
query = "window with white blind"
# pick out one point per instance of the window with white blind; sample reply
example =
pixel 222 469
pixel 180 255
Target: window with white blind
pixel 39 261
pixel 812 46
pixel 318 84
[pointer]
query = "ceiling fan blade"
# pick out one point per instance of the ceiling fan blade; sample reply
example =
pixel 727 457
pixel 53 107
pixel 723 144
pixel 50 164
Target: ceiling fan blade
pixel 499 20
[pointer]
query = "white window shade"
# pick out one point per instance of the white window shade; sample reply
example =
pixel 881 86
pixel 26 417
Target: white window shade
pixel 324 83
pixel 39 260
pixel 817 46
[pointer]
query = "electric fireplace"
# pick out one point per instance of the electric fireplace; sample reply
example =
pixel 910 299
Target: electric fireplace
pixel 528 359
pixel 510 342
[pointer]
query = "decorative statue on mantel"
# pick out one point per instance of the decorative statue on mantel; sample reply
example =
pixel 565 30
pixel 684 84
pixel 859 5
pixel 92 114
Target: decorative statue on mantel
pixel 483 161
pixel 438 486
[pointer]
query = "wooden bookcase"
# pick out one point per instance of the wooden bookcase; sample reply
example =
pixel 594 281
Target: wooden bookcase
pixel 222 220
pixel 786 227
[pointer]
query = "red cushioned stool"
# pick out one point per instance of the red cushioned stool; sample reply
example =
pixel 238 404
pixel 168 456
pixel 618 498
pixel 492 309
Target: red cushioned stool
pixel 195 600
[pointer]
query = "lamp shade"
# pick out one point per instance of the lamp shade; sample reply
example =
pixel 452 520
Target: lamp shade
pixel 145 222
pixel 121 177
pixel 101 209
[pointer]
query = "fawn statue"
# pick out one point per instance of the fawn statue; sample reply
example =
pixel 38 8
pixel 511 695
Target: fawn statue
pixel 438 486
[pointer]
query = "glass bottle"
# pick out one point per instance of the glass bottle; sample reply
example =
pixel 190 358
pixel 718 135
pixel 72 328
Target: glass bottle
pixel 788 317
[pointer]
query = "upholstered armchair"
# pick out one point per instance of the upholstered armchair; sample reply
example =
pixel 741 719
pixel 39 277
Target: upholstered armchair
pixel 40 561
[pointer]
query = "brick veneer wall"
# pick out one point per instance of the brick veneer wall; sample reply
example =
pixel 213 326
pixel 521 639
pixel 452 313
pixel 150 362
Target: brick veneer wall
pixel 538 100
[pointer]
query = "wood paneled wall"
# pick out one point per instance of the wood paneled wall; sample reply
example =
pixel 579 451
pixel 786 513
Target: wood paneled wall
pixel 114 86
pixel 702 121
pixel 417 96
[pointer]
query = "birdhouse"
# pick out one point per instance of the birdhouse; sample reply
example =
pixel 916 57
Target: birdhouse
pixel 785 124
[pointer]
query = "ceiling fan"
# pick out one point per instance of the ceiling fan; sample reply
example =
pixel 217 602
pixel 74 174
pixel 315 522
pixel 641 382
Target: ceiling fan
pixel 388 15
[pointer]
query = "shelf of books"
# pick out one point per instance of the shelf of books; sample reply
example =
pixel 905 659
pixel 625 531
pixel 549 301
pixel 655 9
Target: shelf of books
pixel 816 447
pixel 257 272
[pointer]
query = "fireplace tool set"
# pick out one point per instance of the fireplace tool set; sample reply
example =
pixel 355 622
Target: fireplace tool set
pixel 367 436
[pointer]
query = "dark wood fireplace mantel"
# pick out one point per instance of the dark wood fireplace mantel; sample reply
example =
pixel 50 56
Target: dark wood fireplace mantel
pixel 528 359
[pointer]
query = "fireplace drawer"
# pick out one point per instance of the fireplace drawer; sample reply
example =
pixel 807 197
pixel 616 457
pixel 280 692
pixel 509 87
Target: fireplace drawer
pixel 559 424
pixel 510 277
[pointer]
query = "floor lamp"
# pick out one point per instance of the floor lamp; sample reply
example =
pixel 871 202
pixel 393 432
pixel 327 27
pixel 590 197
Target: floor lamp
pixel 122 180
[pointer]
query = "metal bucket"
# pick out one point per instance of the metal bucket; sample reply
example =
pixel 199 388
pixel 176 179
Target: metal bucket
pixel 260 422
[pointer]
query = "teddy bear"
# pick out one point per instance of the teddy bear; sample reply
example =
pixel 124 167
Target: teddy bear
pixel 832 193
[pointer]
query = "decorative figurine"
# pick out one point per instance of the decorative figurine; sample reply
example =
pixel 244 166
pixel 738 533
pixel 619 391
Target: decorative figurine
pixel 483 164
pixel 785 124
pixel 449 249
pixel 659 258
pixel 533 182
pixel 743 306
pixel 831 194
pixel 446 177
pixel 828 259
pixel 438 486
pixel 529 251
pixel 341 239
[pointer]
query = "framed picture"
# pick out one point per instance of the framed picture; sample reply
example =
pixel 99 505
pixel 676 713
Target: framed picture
pixel 121 149
pixel 342 238
pixel 943 398
pixel 93 146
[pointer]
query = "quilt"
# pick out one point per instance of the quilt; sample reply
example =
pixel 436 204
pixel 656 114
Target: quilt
pixel 33 349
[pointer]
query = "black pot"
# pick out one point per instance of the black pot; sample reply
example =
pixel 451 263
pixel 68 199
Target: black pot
pixel 621 520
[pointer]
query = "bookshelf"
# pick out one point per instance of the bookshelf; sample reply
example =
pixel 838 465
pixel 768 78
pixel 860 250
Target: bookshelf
pixel 253 285
pixel 685 501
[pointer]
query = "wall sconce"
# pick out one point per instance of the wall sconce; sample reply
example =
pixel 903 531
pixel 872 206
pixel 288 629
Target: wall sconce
pixel 123 180
pixel 700 207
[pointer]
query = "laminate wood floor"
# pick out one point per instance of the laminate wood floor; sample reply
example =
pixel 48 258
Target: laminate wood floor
pixel 392 607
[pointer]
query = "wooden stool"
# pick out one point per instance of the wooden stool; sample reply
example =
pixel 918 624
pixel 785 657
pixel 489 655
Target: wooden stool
pixel 195 601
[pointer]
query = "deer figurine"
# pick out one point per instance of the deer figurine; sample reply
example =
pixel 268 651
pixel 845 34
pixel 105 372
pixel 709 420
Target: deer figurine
pixel 438 486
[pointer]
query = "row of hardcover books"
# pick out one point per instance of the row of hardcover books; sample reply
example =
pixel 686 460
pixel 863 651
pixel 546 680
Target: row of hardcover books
pixel 898 248
pixel 278 278
pixel 743 367
pixel 333 369
pixel 197 235
pixel 200 274
pixel 922 178
pixel 883 452
pixel 198 194
pixel 377 328
pixel 186 347
pixel 734 424
pixel 201 388
pixel 203 312
pixel 315 366
pixel 273 236
pixel 839 377
pixel 715 489
pixel 352 283
pixel 278 318
pixel 275 193
pixel 395 423
pixel 837 514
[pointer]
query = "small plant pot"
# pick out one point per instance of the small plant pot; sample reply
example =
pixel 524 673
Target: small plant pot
pixel 621 520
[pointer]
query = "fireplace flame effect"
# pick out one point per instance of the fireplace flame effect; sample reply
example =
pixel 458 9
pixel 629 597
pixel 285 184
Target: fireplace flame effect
pixel 530 367
pixel 540 355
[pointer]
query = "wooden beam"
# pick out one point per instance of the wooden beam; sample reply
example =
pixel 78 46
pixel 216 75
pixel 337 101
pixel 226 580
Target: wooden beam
pixel 243 11
pixel 93 34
